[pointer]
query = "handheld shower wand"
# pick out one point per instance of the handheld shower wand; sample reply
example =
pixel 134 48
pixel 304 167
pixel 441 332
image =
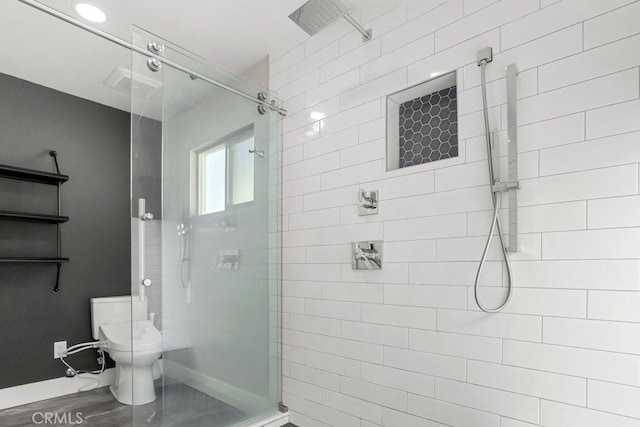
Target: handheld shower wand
pixel 484 57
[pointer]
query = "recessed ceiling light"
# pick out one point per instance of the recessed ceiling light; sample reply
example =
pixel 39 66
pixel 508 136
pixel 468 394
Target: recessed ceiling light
pixel 90 12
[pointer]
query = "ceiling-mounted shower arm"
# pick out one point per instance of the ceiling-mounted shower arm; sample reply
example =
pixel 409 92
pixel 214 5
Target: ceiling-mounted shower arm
pixel 366 34
pixel 316 15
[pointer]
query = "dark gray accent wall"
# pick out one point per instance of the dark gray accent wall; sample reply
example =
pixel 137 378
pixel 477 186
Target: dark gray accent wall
pixel 92 142
pixel 146 180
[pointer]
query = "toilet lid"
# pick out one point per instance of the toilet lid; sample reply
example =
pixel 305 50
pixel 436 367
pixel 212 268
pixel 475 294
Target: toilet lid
pixel 145 336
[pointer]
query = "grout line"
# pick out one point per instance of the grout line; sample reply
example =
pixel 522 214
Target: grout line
pixel 586 397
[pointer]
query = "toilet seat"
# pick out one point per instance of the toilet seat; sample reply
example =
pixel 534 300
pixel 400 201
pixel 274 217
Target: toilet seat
pixel 118 336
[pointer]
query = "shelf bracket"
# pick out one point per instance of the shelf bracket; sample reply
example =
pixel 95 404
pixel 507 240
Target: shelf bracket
pixel 57 287
pixel 54 154
pixel 40 177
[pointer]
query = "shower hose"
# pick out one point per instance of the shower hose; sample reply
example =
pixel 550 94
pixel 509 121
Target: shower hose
pixel 495 196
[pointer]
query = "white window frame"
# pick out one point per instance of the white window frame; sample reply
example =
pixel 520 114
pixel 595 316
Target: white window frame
pixel 225 144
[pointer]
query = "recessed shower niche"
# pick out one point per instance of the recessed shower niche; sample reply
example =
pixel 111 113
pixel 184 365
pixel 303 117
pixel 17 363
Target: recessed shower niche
pixel 422 123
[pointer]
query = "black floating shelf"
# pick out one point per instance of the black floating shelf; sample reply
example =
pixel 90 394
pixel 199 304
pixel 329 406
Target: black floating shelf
pixel 34 260
pixel 30 217
pixel 22 174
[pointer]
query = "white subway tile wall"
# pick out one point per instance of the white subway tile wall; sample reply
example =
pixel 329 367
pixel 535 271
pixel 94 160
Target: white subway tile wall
pixel 153 267
pixel 407 346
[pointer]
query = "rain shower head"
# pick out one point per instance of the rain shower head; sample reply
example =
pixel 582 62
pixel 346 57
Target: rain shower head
pixel 315 15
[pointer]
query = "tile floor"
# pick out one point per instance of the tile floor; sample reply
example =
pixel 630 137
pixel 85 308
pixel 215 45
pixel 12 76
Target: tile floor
pixel 183 406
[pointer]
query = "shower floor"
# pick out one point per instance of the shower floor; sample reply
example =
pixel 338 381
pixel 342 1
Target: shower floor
pixel 183 406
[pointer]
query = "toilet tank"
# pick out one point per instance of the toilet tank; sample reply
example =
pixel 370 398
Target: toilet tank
pixel 116 310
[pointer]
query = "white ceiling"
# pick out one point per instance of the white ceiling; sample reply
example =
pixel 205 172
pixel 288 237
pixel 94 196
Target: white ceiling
pixel 234 34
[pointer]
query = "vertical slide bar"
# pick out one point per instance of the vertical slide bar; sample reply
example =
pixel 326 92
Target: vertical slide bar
pixel 59 229
pixel 141 243
pixel 512 134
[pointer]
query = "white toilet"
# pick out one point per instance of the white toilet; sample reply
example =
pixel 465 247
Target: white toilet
pixel 113 320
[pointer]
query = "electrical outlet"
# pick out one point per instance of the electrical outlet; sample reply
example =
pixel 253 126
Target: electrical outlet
pixel 58 348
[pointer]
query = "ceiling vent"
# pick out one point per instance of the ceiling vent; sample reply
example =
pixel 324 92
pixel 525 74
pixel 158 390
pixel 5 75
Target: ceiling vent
pixel 143 87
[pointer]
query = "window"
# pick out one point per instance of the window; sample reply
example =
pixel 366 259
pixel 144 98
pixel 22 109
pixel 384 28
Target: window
pixel 241 165
pixel 225 173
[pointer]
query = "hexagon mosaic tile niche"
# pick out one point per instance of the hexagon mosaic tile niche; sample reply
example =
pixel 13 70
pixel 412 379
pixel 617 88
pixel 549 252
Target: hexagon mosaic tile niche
pixel 429 128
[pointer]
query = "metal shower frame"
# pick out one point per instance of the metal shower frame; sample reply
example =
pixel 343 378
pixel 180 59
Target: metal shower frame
pixel 262 103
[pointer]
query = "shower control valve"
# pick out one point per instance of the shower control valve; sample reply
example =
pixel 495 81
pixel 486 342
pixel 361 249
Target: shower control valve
pixel 368 203
pixel 367 255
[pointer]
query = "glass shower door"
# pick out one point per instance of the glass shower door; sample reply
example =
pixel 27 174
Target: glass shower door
pixel 213 245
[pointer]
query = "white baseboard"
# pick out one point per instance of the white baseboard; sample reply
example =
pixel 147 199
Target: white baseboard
pixel 42 390
pixel 275 421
